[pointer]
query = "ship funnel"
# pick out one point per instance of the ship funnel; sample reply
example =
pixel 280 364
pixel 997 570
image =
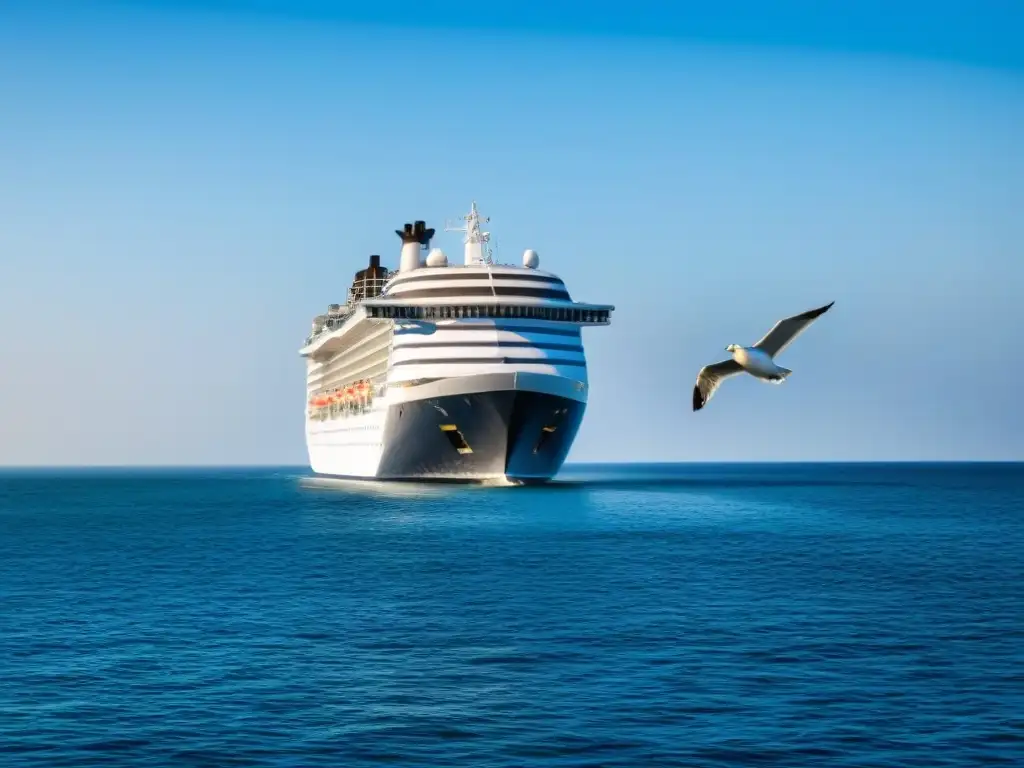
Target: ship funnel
pixel 415 241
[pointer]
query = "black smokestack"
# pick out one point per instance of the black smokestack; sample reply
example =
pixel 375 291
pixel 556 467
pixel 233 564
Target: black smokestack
pixel 417 232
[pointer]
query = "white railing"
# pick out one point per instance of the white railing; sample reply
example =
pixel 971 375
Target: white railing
pixel 368 288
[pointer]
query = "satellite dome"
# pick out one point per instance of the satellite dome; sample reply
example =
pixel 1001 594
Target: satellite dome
pixel 530 259
pixel 436 258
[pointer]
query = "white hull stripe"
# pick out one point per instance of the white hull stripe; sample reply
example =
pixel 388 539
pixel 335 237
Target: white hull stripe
pixel 457 292
pixel 488 345
pixel 490 361
pixel 455 275
pixel 538 329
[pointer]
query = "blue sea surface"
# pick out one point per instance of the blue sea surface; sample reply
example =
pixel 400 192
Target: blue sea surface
pixel 696 615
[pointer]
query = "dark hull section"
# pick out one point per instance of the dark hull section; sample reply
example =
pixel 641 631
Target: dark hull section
pixel 521 436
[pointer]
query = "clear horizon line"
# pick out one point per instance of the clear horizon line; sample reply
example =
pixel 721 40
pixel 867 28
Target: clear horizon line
pixel 567 465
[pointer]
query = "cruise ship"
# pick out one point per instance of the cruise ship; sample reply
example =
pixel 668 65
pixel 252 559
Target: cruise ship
pixel 471 372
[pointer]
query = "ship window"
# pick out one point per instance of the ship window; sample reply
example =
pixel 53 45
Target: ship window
pixel 451 431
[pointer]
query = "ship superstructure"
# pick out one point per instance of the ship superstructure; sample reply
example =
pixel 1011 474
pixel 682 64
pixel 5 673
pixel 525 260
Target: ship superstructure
pixel 438 371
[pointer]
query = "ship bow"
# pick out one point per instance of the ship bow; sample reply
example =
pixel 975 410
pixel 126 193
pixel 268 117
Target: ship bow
pixel 516 435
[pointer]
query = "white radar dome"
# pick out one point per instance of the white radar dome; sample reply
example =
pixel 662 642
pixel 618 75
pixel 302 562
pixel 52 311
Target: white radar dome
pixel 436 258
pixel 530 259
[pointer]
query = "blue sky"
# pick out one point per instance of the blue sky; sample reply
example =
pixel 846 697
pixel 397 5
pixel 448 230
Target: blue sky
pixel 183 185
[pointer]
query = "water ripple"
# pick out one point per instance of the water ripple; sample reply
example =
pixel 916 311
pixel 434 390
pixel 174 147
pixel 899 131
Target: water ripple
pixel 653 616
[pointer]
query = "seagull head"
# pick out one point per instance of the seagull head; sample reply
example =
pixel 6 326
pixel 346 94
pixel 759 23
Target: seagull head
pixel 732 347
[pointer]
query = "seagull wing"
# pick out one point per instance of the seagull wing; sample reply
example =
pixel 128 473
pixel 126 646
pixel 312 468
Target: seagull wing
pixel 710 377
pixel 783 332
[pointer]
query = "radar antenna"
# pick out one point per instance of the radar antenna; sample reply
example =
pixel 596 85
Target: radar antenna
pixel 477 250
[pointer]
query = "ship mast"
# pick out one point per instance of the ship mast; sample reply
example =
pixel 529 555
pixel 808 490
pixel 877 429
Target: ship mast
pixel 475 241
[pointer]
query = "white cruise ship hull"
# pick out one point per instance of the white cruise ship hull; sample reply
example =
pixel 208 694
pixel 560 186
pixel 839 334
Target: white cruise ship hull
pixel 514 427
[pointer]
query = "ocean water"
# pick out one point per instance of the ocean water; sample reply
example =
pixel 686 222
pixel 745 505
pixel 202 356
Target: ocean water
pixel 864 615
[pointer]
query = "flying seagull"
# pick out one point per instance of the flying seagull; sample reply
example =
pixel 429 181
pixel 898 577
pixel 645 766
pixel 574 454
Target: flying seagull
pixel 756 360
